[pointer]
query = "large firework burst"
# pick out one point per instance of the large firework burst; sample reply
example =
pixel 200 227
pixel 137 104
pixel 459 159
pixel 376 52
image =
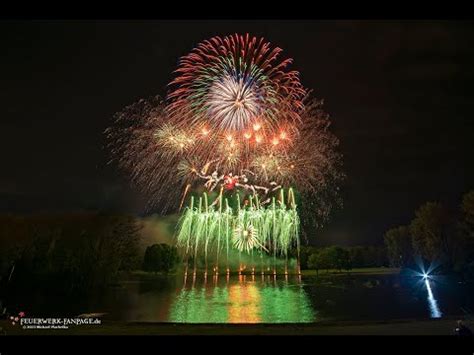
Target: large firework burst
pixel 234 82
pixel 235 118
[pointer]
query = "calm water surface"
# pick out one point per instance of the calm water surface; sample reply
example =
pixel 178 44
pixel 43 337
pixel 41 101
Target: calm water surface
pixel 257 299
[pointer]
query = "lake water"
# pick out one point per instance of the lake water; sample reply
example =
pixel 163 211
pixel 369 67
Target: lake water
pixel 257 299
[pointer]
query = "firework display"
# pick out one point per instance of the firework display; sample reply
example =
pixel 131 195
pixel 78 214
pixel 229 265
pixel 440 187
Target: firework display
pixel 210 230
pixel 236 121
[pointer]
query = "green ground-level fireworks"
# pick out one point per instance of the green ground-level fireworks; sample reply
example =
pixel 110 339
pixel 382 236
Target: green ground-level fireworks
pixel 260 235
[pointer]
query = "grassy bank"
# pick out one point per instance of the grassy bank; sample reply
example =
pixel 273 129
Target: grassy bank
pixel 331 272
pixel 397 327
pixel 355 271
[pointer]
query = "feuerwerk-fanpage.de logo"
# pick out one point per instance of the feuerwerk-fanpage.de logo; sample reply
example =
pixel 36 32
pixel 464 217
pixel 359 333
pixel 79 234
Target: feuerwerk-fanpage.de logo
pixel 55 323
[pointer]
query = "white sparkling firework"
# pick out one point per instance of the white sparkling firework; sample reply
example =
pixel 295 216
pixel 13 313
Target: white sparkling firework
pixel 245 238
pixel 233 103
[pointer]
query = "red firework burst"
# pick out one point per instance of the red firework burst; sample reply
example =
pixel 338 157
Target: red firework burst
pixel 235 118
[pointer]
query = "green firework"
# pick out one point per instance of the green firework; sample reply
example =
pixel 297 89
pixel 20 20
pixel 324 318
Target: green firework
pixel 214 229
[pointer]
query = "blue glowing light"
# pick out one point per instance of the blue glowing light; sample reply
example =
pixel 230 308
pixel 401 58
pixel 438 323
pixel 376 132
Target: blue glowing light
pixel 426 277
pixel 434 309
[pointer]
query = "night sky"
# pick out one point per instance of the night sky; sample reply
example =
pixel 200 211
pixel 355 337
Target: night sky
pixel 400 94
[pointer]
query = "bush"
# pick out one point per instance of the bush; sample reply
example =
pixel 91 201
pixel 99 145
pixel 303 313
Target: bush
pixel 160 257
pixel 318 260
pixel 305 253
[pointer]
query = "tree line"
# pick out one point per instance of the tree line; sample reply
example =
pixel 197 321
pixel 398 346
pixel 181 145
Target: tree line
pixel 77 251
pixel 89 250
pixel 342 258
pixel 436 235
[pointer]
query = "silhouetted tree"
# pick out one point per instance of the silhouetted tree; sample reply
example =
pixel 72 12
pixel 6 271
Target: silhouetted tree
pixel 435 235
pixel 339 258
pixel 467 220
pixel 466 228
pixel 467 208
pixel 398 242
pixel 318 260
pixel 305 253
pixel 160 257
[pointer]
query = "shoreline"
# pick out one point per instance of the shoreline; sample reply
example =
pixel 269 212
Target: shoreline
pixel 309 272
pixel 442 326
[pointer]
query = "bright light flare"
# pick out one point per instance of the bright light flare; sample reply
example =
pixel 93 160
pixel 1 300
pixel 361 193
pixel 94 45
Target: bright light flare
pixel 427 277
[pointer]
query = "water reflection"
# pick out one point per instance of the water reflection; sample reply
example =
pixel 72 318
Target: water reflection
pixel 244 303
pixel 248 300
pixel 257 298
pixel 433 303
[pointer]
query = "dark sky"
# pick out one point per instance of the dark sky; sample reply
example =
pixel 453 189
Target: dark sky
pixel 400 94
